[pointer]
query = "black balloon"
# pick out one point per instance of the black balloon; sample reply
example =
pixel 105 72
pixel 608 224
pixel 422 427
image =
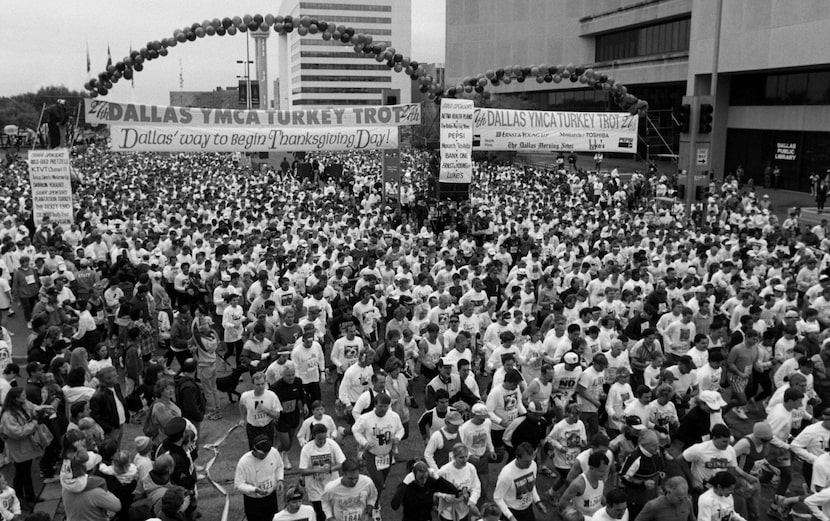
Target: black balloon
pixel 288 26
pixel 479 89
pixel 128 74
pixel 226 22
pixel 102 91
pixel 258 19
pixel 579 71
pixel 221 31
pixel 152 54
pixel 191 37
pixel 163 52
pixel 138 67
pixel 253 26
pixel 548 78
pixel 526 71
pixel 288 19
pixel 499 73
pixel 520 79
pixel 574 78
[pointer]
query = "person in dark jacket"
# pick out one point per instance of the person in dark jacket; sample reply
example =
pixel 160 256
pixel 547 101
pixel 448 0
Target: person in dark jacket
pixel 415 492
pixel 642 472
pixel 531 428
pixel 184 471
pixel 189 394
pixel 107 405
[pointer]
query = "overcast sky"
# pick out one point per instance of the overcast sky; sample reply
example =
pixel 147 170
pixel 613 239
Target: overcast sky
pixel 44 43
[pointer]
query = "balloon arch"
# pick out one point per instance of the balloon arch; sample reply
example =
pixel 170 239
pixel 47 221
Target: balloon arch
pixel 364 45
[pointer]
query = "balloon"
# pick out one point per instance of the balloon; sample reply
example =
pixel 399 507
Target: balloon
pixel 128 74
pixel 405 61
pixel 345 37
pixel 499 73
pixel 253 26
pixel 209 30
pixel 152 54
pixel 367 39
pixel 88 85
pixel 390 64
pixel 398 58
pixel 574 78
pixel 221 31
pixel 93 94
pixel 278 20
pixel 482 82
pixel 479 89
pixel 494 81
pixel 103 91
pixel 264 27
pixel 313 29
pixel 520 79
pixel 540 79
pixel 288 26
pixel 507 80
pixel 138 67
pixel 579 71
pixel 110 69
pixel 557 78
pixel 414 64
pixel 548 78
pixel 468 89
pixel 138 60
pixel 324 26
pixel 336 35
pixel 603 78
pixel 302 30
pixel 247 19
pixel 570 67
pixel 451 92
pixel 589 73
pixel 327 36
pixel 226 22
pixel 305 21
pixel 258 18
pixel 269 19
pixel 181 37
pixel 237 21
pixel 163 52
pixel 566 74
pixel 490 74
pixel 534 71
pixel 200 33
pixel 485 94
pixel 191 37
pixel 232 30
pixel 341 29
pixel 583 79
pixel 288 19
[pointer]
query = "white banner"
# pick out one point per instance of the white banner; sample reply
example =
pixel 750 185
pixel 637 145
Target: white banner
pixel 150 138
pixel 539 131
pixel 49 177
pixel 456 131
pixel 99 112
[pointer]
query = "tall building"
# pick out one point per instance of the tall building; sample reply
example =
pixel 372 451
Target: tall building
pixel 316 72
pixel 773 85
pixel 220 98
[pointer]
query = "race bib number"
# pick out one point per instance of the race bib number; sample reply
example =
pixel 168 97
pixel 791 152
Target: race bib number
pixel 383 462
pixel 289 406
pixel 30 279
pixel 312 363
pixel 353 515
pixel 268 484
pixel 524 489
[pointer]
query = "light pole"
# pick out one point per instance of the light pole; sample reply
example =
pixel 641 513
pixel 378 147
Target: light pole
pixel 247 62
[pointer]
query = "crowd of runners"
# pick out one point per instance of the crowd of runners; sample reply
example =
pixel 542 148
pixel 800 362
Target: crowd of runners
pixel 563 343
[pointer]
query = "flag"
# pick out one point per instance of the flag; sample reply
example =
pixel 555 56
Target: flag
pixel 109 56
pixel 88 60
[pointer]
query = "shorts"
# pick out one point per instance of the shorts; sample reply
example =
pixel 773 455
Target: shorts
pixel 738 383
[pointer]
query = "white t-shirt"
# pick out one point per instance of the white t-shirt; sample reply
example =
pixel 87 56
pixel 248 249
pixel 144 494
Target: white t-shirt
pixel 712 507
pixel 256 405
pixel 602 515
pixel 305 513
pixel 349 503
pixel 311 456
pixel 706 460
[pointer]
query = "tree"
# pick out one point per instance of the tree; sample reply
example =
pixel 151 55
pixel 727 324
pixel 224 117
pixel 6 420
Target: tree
pixel 23 110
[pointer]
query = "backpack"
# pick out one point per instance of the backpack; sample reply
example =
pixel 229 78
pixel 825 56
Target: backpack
pixel 202 406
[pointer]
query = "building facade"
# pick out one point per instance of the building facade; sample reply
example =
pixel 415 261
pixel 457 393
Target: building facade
pixel 325 73
pixel 772 94
pixel 227 98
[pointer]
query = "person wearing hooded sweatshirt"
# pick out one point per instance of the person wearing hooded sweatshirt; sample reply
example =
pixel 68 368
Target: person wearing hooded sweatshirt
pixel 153 486
pixel 415 493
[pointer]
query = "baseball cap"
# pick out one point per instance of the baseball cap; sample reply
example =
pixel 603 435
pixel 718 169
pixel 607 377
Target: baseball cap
pixel 712 399
pixel 453 418
pixel 480 409
pixel 668 375
pixel 571 358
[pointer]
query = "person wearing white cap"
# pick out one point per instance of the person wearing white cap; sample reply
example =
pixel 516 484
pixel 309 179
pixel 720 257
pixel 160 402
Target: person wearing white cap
pixel 475 435
pixel 439 446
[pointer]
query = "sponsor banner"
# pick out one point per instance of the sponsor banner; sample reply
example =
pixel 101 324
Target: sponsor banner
pixel 539 131
pixel 456 131
pixel 49 177
pixel 102 112
pixel 145 138
pixel 391 171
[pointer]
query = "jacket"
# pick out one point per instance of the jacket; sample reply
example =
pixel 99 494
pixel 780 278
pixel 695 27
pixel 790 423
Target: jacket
pixel 104 411
pixel 190 398
pixel 184 474
pixel 17 432
pixel 417 501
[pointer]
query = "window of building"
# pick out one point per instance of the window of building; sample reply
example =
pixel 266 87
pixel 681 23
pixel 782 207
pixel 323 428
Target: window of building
pixel 328 43
pixel 346 102
pixel 351 19
pixel 346 7
pixel 345 66
pixel 659 38
pixel 781 88
pixel 332 54
pixel 368 79
pixel 336 90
